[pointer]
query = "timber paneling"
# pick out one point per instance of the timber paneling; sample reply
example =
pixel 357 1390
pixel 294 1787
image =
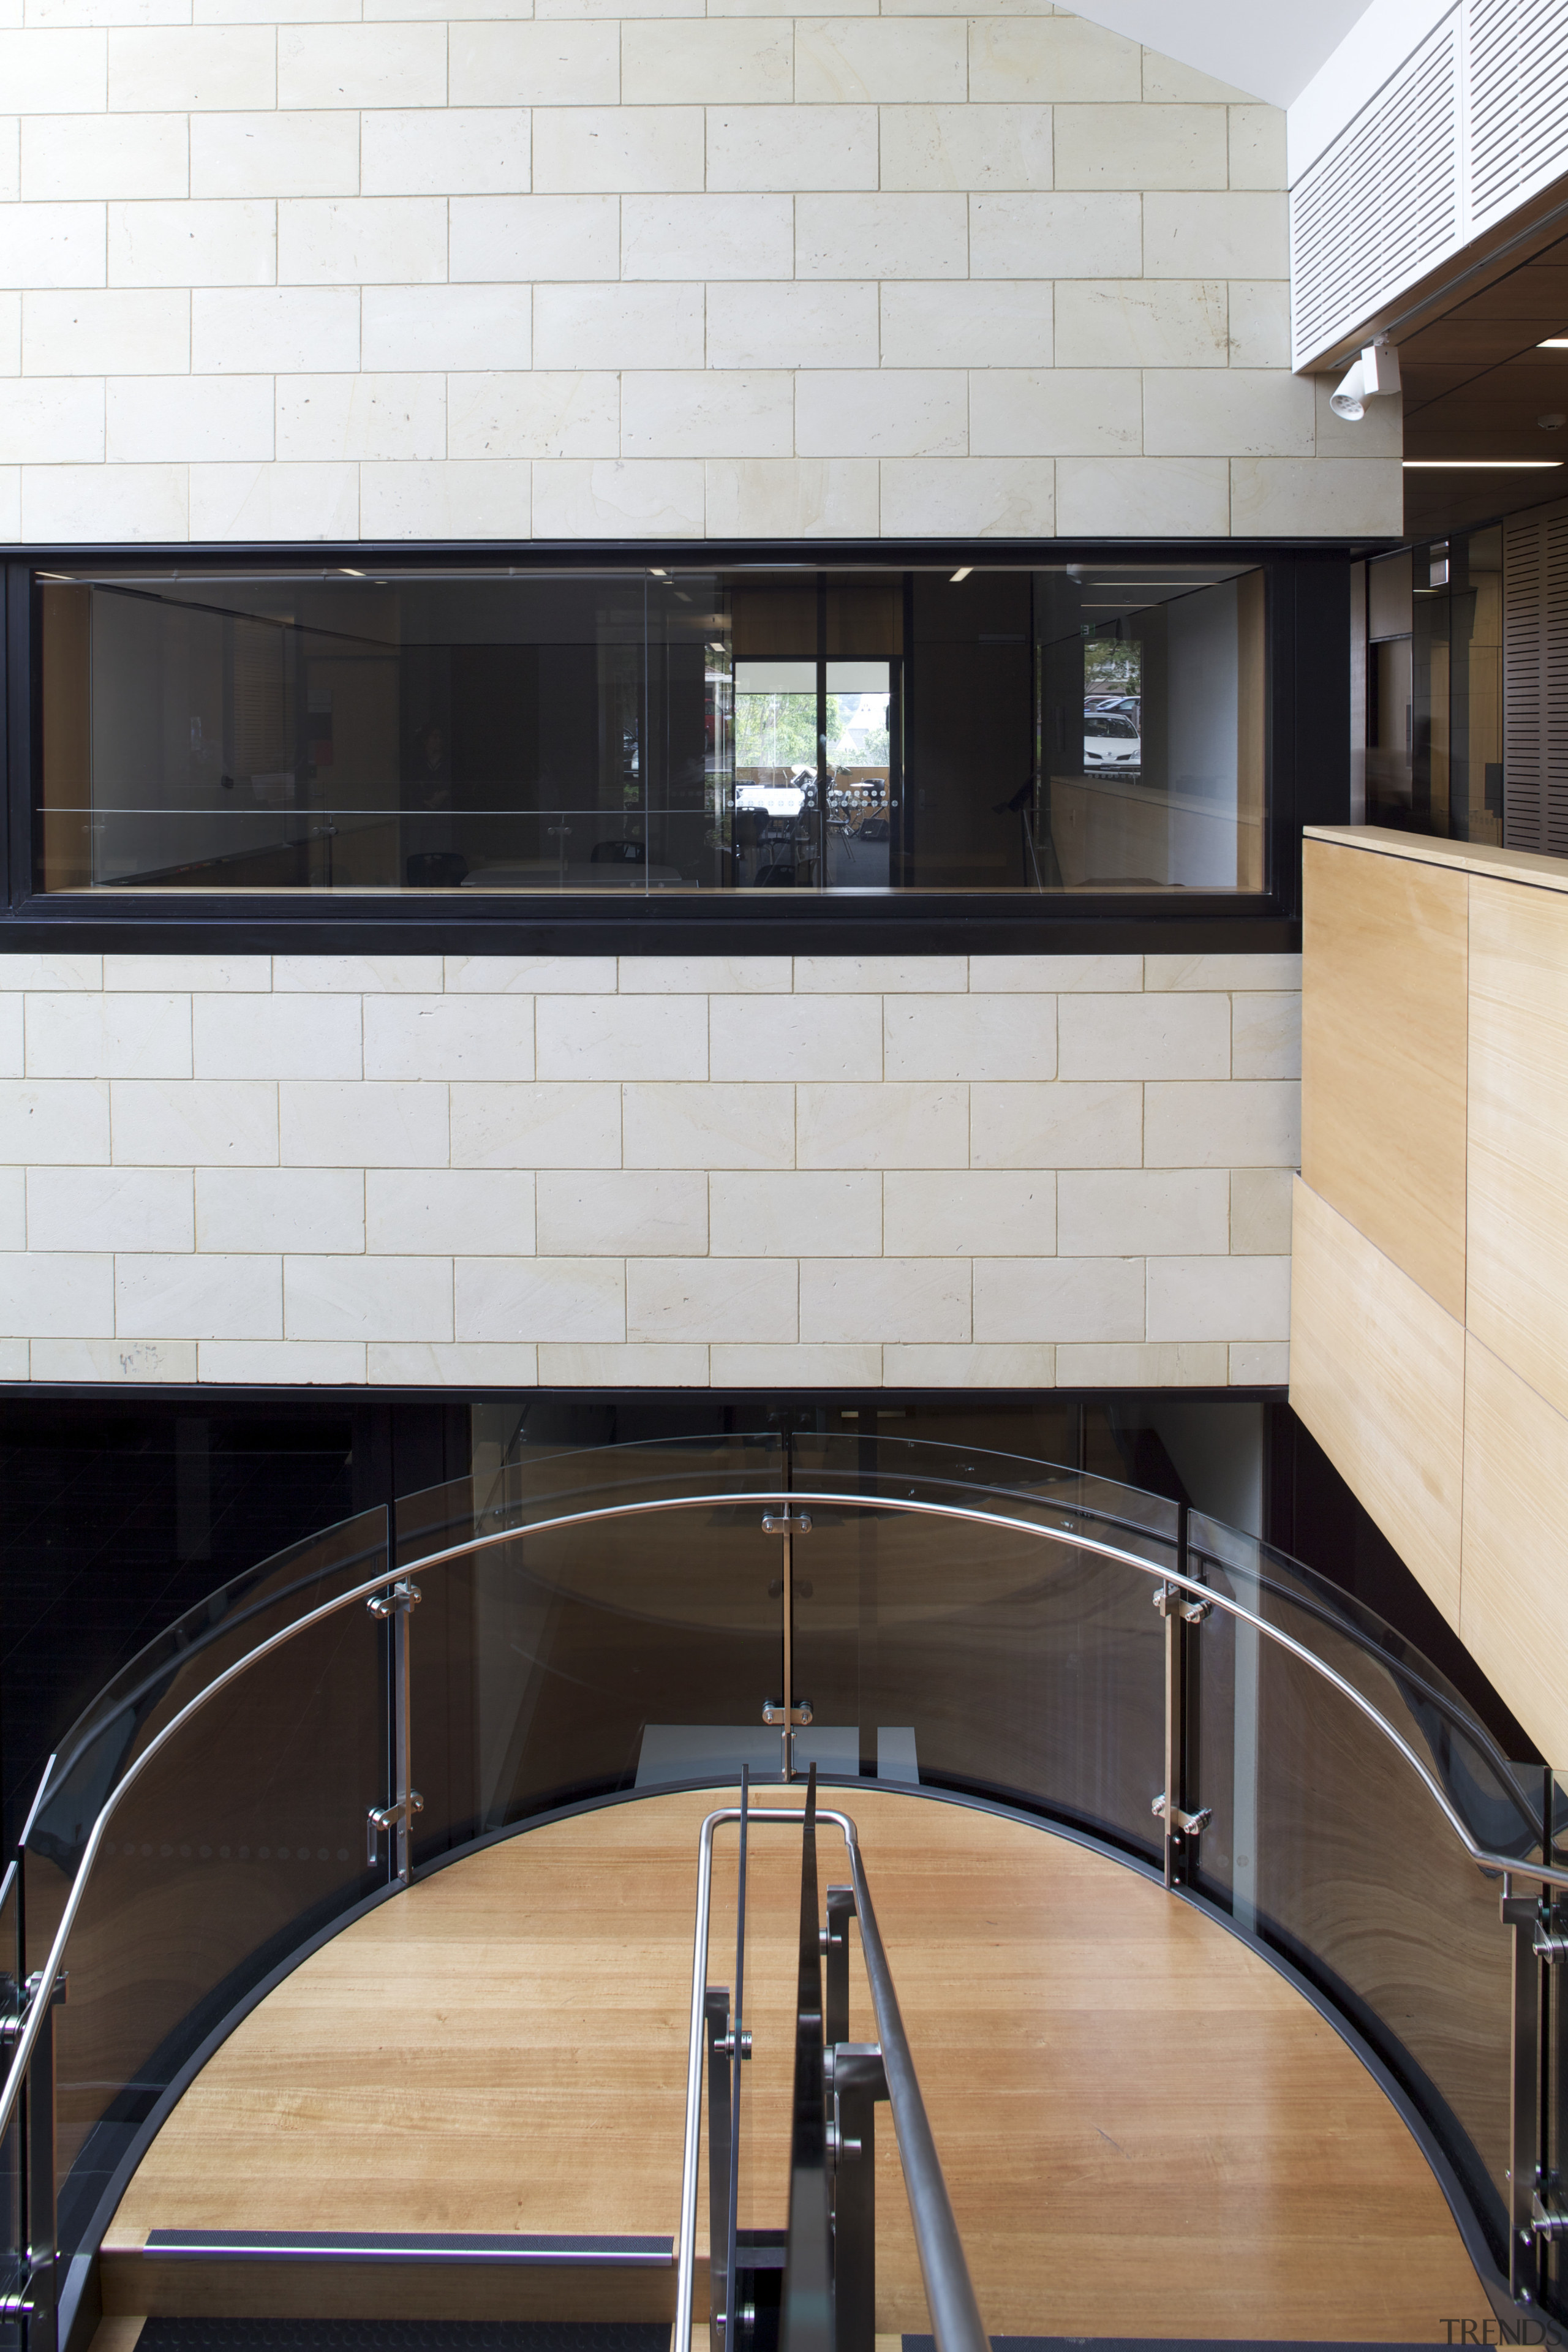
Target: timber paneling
pixel 1514 1603
pixel 1517 1299
pixel 1382 1056
pixel 1377 1373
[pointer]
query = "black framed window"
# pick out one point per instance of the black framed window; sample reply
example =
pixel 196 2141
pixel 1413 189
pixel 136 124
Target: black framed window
pixel 651 730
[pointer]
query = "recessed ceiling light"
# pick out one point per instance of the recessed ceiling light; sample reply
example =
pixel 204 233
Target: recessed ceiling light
pixel 962 573
pixel 1481 464
pixel 1553 343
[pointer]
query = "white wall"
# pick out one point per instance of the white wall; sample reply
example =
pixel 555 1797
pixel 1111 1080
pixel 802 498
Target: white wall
pixel 300 269
pixel 999 1172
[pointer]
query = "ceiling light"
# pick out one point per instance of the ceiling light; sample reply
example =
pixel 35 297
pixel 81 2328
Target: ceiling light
pixel 1481 464
pixel 1553 343
pixel 962 573
pixel 656 573
pixel 1552 423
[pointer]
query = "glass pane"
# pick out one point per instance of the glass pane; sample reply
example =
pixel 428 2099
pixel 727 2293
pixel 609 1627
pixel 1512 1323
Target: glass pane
pixel 12 2232
pixel 636 1654
pixel 1554 2251
pixel 982 1660
pixel 1324 1843
pixel 1152 772
pixel 648 730
pixel 240 1840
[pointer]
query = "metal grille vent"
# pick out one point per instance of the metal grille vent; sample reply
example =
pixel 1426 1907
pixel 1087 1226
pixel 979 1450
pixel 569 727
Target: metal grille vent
pixel 1473 122
pixel 1517 92
pixel 1385 204
pixel 1535 647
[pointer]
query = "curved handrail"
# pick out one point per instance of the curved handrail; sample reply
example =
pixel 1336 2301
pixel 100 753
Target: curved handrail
pixel 1548 1873
pixel 950 2293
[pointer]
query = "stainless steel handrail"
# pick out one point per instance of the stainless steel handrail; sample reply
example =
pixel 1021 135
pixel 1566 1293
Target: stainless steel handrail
pixel 1548 1873
pixel 950 2291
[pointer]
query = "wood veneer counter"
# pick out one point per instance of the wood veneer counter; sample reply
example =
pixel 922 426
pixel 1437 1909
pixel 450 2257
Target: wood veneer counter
pixel 1528 867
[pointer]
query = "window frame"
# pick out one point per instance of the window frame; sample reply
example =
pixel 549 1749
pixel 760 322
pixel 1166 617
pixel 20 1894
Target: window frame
pixel 1307 782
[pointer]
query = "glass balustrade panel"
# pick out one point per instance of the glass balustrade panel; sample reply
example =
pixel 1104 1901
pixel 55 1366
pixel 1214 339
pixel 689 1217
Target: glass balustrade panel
pixel 12 2232
pixel 1325 1845
pixel 240 1839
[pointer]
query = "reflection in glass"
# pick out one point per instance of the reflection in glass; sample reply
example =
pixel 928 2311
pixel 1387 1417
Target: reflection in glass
pixel 1435 688
pixel 1065 728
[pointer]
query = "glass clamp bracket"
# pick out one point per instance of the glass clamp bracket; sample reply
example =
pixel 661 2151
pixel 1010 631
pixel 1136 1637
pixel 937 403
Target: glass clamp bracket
pixel 1170 1599
pixel 1548 2216
pixel 1188 1824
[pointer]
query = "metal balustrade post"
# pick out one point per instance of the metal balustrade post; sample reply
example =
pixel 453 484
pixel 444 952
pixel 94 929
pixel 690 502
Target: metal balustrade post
pixel 1182 1612
pixel 722 2156
pixel 1523 1916
pixel 36 2298
pixel 398 1816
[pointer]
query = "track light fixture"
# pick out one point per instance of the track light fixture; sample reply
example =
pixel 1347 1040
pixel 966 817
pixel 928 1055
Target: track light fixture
pixel 1375 372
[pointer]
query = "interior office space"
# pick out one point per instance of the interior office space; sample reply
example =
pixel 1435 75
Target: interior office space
pixel 783 848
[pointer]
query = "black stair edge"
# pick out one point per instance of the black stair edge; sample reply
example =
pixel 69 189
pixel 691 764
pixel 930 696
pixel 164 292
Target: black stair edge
pixel 513 2249
pixel 250 2334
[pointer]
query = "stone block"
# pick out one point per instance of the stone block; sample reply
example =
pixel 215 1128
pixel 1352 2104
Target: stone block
pixel 569 1125
pixel 550 413
pixel 882 236
pixel 109 1209
pixel 702 412
pixel 891 1125
pixel 292 153
pixel 796 1213
pixel 1062 1124
pixel 981 324
pixel 280 1208
pixel 887 1299
pixel 164 1295
pixel 448 1212
pixel 968 1212
pixel 193 243
pixel 719 1125
pixel 895 412
pixel 1128 496
pixel 326 1125
pixel 622 1213
pixel 618 326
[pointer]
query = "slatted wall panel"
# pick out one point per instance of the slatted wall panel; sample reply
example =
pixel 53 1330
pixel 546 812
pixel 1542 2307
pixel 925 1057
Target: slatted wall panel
pixel 1524 743
pixel 1383 205
pixel 1554 679
pixel 1472 123
pixel 1517 99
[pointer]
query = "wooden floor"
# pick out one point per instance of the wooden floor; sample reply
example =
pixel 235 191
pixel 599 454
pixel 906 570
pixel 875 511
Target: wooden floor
pixel 1145 2131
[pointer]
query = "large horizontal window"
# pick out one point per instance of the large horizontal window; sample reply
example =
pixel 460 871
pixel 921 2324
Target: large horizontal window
pixel 1069 727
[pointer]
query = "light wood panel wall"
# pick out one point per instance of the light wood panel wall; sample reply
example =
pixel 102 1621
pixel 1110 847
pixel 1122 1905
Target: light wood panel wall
pixel 1514 1607
pixel 1517 1285
pixel 1382 1056
pixel 1430 1330
pixel 1377 1373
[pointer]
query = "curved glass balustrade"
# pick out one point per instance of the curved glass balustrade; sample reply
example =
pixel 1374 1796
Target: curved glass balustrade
pixel 603 1622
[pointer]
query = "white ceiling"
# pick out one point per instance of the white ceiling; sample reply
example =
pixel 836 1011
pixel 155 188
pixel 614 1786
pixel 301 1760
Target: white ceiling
pixel 1269 48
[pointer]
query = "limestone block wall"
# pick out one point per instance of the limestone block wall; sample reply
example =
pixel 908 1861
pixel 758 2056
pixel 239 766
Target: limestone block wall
pixel 1004 1171
pixel 648 268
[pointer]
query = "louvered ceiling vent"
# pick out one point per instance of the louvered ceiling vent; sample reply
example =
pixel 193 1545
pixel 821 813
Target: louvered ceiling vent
pixel 1475 121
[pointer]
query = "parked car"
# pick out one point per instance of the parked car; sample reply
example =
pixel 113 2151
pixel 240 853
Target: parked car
pixel 1110 740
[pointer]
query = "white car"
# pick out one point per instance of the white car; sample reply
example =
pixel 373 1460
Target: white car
pixel 1110 741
